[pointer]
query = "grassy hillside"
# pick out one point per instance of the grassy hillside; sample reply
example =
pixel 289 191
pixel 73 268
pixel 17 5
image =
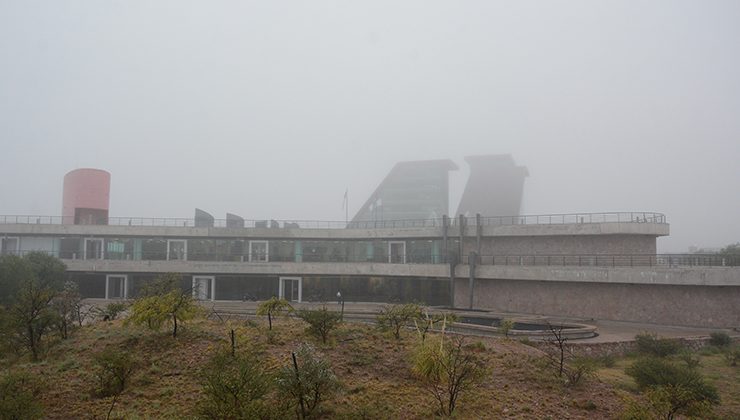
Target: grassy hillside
pixel 373 367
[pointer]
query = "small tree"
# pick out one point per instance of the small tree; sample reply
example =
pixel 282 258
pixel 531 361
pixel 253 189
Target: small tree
pixel 67 306
pixel 558 349
pixel 395 317
pixel 306 380
pixel 35 279
pixel 19 396
pixel 114 368
pixel 167 303
pixel 320 321
pixel 426 321
pixel 677 388
pixel 447 369
pixel 234 387
pixel 505 326
pixel 273 307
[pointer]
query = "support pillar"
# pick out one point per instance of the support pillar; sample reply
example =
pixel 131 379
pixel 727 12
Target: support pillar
pixel 472 257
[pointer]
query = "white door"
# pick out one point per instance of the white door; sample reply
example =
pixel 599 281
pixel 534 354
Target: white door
pixel 397 252
pixel 93 249
pixel 291 289
pixel 203 287
pixel 258 251
pixel 116 286
pixel 177 249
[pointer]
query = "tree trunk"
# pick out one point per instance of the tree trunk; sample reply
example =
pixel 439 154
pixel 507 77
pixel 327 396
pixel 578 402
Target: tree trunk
pixel 174 330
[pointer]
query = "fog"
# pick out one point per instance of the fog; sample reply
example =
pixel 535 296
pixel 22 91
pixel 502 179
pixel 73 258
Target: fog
pixel 273 109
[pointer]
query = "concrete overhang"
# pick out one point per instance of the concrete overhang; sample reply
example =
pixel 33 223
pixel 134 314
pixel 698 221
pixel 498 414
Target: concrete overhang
pixel 608 228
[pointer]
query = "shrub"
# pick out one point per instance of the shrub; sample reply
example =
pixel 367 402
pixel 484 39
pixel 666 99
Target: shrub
pixel 579 368
pixel 656 372
pixel 395 317
pixel 665 402
pixel 650 344
pixel 19 397
pixel 320 321
pixel 426 321
pixel 689 358
pixel 720 339
pixel 273 307
pixel 112 310
pixel 505 326
pixel 163 302
pixel 307 380
pixel 607 360
pixel 113 370
pixel 447 368
pixel 732 355
pixel 233 387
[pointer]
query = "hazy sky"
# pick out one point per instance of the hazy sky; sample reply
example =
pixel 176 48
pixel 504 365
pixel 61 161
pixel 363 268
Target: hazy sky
pixel 271 109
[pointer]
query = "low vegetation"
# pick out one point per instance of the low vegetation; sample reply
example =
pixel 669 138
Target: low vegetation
pixel 320 321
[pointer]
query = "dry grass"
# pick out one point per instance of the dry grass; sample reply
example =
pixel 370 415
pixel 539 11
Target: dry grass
pixel 372 366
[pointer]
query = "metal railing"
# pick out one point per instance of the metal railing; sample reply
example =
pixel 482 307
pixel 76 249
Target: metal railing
pixel 541 219
pixel 570 260
pixel 609 260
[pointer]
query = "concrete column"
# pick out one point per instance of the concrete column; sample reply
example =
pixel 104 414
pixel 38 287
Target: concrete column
pixel 461 218
pixel 370 251
pixel 445 225
pixel 478 231
pixel 435 252
pixel 471 277
pixel 298 251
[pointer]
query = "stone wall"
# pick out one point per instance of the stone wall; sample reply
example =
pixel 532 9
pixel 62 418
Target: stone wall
pixel 702 306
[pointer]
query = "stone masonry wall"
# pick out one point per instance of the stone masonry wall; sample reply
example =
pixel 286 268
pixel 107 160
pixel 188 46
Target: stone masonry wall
pixel 702 306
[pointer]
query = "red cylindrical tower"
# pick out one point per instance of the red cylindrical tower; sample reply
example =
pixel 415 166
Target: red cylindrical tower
pixel 86 197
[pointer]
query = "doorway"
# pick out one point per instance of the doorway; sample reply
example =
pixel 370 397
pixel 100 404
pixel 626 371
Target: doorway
pixel 397 252
pixel 177 249
pixel 93 249
pixel 291 289
pixel 204 287
pixel 116 286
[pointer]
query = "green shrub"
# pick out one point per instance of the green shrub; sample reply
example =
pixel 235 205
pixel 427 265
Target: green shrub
pixel 112 310
pixel 607 360
pixel 307 382
pixel 19 397
pixel 113 371
pixel 234 387
pixel 732 355
pixel 655 372
pixel 650 344
pixel 579 368
pixel 320 321
pixel 505 326
pixel 395 317
pixel 447 368
pixel 274 307
pixel 690 358
pixel 720 339
pixel 665 402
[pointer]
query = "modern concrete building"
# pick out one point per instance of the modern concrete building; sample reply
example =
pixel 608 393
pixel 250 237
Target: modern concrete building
pixel 593 265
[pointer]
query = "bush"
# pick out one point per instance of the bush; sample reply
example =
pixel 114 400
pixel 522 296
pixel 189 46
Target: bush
pixel 650 344
pixel 273 307
pixel 427 321
pixel 395 317
pixel 664 402
pixel 579 368
pixel 720 339
pixel 505 326
pixel 320 321
pixel 112 310
pixel 233 387
pixel 447 368
pixel 655 372
pixel 732 355
pixel 306 380
pixel 114 369
pixel 19 397
pixel 163 302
